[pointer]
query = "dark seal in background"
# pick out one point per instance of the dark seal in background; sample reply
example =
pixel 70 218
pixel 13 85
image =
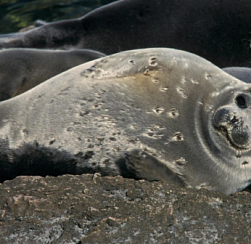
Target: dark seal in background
pixel 17 14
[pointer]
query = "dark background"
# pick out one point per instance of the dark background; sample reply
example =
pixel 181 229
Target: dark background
pixel 17 14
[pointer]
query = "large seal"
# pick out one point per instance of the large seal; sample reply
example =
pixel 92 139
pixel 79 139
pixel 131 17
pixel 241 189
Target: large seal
pixel 241 73
pixel 216 30
pixel 153 114
pixel 22 69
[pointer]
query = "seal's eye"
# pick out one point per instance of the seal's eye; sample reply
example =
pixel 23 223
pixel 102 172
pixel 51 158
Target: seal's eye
pixel 241 101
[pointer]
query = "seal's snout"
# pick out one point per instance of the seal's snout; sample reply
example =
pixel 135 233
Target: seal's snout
pixel 240 136
pixel 222 117
pixel 234 122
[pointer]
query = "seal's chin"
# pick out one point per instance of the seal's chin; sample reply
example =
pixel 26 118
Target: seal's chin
pixel 234 126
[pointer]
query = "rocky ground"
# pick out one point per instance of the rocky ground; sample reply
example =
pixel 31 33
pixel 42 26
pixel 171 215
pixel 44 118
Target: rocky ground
pixel 94 209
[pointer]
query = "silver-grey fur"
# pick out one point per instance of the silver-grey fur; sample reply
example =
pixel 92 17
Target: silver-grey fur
pixel 144 112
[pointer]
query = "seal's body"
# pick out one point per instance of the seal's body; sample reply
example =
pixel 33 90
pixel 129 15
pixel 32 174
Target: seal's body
pixel 152 114
pixel 241 73
pixel 22 69
pixel 216 30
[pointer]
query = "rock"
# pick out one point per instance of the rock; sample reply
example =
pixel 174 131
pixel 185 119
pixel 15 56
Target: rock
pixel 94 209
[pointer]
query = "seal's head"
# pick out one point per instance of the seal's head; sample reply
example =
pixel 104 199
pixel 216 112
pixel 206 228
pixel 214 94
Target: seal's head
pixel 229 138
pixel 233 120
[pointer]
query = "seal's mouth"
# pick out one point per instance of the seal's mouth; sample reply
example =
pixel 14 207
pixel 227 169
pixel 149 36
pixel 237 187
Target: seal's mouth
pixel 232 122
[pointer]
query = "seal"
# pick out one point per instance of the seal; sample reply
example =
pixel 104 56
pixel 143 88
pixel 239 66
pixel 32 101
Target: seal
pixel 155 114
pixel 216 34
pixel 241 73
pixel 22 69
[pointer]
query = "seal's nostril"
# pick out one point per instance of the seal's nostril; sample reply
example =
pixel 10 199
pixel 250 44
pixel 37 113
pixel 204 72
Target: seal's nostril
pixel 234 120
pixel 241 101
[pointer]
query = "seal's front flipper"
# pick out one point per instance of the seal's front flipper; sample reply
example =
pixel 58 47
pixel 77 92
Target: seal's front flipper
pixel 144 166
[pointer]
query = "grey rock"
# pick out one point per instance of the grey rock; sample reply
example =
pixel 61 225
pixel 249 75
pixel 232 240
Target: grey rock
pixel 94 209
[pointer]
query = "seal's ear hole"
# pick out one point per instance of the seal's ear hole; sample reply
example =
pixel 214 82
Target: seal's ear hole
pixel 241 101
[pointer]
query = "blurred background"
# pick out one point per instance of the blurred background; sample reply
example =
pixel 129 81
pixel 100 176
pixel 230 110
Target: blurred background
pixel 17 14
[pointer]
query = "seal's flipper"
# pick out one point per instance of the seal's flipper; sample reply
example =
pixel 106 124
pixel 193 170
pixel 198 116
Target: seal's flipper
pixel 145 166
